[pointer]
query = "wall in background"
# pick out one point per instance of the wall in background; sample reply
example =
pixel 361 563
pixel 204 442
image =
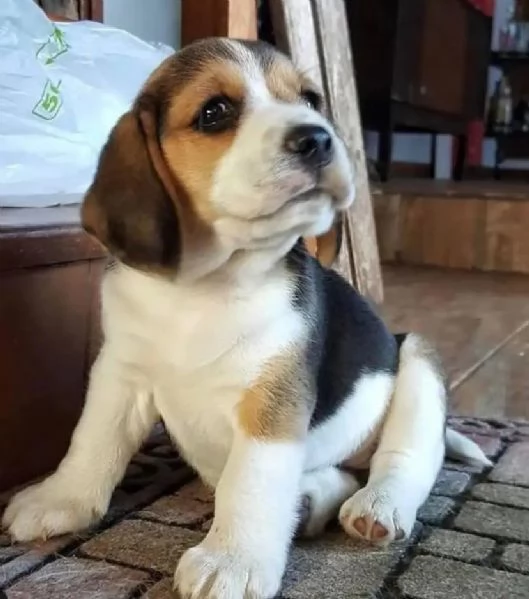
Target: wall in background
pixel 150 20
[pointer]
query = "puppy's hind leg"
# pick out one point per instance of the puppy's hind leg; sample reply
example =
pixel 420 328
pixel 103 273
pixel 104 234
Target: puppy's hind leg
pixel 322 493
pixel 407 461
pixel 115 420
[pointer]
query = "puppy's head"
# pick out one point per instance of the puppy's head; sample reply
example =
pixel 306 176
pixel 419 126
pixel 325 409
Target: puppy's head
pixel 223 130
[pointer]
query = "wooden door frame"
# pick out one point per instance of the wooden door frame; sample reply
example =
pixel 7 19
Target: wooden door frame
pixel 91 9
pixel 227 18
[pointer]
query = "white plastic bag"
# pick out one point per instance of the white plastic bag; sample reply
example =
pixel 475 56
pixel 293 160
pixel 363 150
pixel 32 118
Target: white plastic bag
pixel 62 88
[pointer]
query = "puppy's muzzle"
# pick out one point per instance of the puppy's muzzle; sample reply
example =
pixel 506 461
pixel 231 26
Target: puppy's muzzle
pixel 312 145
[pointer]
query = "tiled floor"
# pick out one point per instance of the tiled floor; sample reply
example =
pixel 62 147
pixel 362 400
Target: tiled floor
pixel 472 535
pixel 471 539
pixel 479 322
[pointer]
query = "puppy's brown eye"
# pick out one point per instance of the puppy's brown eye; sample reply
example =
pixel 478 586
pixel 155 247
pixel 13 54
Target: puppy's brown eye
pixel 311 99
pixel 217 114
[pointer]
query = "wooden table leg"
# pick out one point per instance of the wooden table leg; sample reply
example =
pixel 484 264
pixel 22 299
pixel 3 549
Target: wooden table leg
pixel 459 168
pixel 385 151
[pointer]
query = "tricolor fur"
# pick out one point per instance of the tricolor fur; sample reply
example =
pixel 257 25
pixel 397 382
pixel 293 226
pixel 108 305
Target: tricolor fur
pixel 274 377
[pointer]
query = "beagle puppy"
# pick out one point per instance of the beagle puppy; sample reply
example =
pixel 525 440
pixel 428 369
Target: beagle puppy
pixel 275 379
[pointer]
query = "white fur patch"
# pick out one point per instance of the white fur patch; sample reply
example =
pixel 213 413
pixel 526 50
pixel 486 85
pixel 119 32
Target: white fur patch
pixel 186 350
pixel 409 455
pixel 245 552
pixel 344 433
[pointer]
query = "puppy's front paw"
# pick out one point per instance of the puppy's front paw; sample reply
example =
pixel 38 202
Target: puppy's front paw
pixel 209 572
pixel 373 514
pixel 45 510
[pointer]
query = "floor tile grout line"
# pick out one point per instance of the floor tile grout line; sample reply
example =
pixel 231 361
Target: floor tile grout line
pixel 469 372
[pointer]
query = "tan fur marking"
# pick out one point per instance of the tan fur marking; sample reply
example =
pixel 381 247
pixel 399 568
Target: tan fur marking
pixel 278 405
pixel 192 158
pixel 327 247
pixel 216 78
pixel 191 155
pixel 155 177
pixel 311 243
pixel 283 81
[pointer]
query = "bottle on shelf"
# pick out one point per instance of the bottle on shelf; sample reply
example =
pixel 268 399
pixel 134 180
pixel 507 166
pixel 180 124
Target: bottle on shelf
pixel 502 116
pixel 492 106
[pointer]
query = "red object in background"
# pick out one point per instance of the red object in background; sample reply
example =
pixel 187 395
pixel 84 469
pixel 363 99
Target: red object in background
pixel 476 129
pixel 485 6
pixel 476 137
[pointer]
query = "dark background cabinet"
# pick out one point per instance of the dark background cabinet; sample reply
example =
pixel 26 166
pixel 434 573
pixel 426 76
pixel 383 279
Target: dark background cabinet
pixel 421 65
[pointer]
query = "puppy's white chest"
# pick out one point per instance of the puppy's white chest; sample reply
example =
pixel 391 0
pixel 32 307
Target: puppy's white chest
pixel 199 417
pixel 198 351
pixel 187 329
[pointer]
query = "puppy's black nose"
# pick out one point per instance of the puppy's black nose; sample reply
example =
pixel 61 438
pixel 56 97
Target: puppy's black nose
pixel 311 143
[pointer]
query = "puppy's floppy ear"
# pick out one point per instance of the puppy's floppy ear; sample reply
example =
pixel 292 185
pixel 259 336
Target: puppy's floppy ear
pixel 131 207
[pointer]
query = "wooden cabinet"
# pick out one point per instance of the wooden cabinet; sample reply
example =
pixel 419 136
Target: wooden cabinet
pixel 421 65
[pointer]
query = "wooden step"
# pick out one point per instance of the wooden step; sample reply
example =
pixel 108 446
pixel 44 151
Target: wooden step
pixel 49 334
pixel 471 225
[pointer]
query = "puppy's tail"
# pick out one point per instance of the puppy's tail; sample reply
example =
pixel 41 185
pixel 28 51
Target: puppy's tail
pixel 459 447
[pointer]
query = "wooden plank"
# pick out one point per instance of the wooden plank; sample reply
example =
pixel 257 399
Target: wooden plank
pixel 339 82
pixel 68 9
pixel 44 236
pixel 295 33
pixel 479 231
pixel 97 11
pixel 44 324
pixel 506 246
pixel 499 387
pixel 91 10
pixel 46 247
pixel 227 18
pixel 388 215
pixel 302 30
pixel 431 226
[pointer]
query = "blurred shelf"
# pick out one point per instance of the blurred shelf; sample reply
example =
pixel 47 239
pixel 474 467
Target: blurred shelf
pixel 511 133
pixel 503 59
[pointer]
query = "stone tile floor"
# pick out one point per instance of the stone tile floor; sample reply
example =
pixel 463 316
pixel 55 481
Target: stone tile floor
pixel 471 539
